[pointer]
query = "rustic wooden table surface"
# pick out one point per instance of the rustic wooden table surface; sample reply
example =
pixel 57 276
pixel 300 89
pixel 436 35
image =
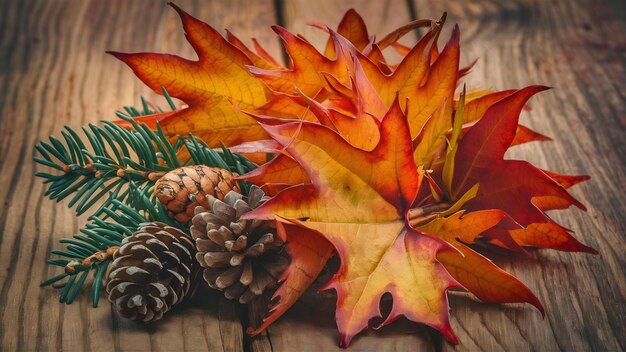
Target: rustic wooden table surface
pixel 53 71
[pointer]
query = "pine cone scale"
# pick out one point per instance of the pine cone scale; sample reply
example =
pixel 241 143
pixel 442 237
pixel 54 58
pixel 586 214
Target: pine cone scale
pixel 220 236
pixel 218 259
pixel 237 259
pixel 247 274
pixel 228 277
pixel 235 291
pixel 262 280
pixel 151 272
pixel 183 189
pixel 205 245
pixel 234 252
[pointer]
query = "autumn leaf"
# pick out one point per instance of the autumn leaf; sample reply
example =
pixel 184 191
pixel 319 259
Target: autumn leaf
pixel 438 86
pixel 425 85
pixel 359 128
pixel 309 252
pixel 513 186
pixel 524 134
pixel 210 86
pixel 282 169
pixel 359 99
pixel 305 72
pixel 353 28
pixel 287 106
pixel 476 108
pixel 566 181
pixel 360 210
pixel 478 105
pixel 475 272
pixel 408 75
pixel 453 144
pixel 261 58
pixel 424 82
pixel 487 141
pixel 549 234
pixel 432 137
pixel 392 38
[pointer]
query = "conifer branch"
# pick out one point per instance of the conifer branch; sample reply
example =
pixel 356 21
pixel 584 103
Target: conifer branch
pixel 108 157
pixel 120 166
pixel 91 249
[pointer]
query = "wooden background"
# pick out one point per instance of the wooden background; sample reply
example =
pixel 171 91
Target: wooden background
pixel 53 71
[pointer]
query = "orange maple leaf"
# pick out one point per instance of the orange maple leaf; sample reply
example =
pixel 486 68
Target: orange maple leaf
pixel 475 272
pixel 360 210
pixel 353 28
pixel 210 86
pixel 307 65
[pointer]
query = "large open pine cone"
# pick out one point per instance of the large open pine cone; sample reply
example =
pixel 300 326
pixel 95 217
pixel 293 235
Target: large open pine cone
pixel 152 271
pixel 240 257
pixel 182 190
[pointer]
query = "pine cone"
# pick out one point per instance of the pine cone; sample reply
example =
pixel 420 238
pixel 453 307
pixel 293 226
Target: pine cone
pixel 182 190
pixel 240 257
pixel 152 271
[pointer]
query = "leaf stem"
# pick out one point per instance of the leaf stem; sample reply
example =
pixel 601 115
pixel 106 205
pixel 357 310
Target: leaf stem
pixel 421 215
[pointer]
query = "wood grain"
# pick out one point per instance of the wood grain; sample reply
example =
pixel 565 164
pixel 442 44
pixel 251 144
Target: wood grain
pixel 53 71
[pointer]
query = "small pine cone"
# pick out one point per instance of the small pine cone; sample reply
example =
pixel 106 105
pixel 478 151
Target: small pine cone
pixel 240 257
pixel 182 190
pixel 152 271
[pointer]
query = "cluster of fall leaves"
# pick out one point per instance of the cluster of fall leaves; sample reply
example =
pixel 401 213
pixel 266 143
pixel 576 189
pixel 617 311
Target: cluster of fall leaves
pixel 394 168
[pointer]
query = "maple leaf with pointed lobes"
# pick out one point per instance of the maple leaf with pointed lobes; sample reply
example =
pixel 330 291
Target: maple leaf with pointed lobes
pixel 516 187
pixel 210 86
pixel 475 272
pixel 360 210
pixel 282 169
pixel 566 181
pixel 431 139
pixel 477 107
pixel 426 85
pixel 353 28
pixel 307 65
pixel 360 130
pixel 260 59
pixel 439 85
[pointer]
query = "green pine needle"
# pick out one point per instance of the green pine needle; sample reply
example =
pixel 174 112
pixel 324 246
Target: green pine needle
pixel 107 158
pixel 118 168
pixel 106 228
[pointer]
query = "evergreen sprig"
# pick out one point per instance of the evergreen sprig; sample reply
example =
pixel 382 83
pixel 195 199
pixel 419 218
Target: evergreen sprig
pixel 114 156
pixel 113 221
pixel 121 166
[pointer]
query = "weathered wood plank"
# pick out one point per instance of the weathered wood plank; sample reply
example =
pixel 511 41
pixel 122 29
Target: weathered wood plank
pixel 53 71
pixel 575 47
